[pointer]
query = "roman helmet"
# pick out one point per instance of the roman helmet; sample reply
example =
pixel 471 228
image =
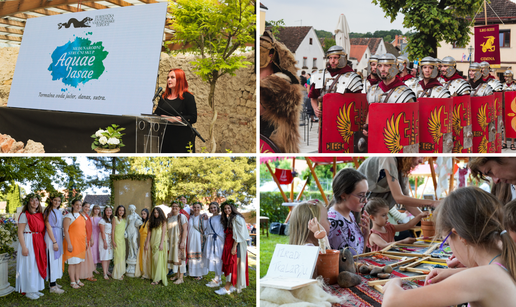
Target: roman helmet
pixel 372 59
pixel 450 64
pixel 477 69
pixel 282 59
pixel 507 73
pixel 388 58
pixel 485 69
pixel 429 61
pixel 343 60
pixel 401 60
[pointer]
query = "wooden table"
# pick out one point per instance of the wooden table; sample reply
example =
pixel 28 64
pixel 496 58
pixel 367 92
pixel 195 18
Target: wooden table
pixel 264 221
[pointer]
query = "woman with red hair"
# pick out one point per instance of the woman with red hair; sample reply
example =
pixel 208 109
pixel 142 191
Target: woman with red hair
pixel 177 99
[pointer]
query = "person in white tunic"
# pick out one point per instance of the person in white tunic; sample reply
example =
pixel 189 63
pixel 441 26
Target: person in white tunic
pixel 177 225
pixel 28 277
pixel 234 255
pixel 105 246
pixel 196 227
pixel 214 245
pixel 54 242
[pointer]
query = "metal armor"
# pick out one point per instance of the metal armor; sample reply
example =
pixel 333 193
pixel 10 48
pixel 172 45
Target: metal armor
pixel 496 85
pixel 399 94
pixel 483 89
pixel 349 81
pixel 512 87
pixel 366 85
pixel 435 92
pixel 458 87
pixel 410 82
pixel 441 80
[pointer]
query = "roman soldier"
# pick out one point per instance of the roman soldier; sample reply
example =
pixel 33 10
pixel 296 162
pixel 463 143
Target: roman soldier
pixel 281 97
pixel 429 86
pixel 405 76
pixel 439 77
pixel 478 85
pixel 509 84
pixel 338 77
pixel 372 78
pixel 453 81
pixel 492 81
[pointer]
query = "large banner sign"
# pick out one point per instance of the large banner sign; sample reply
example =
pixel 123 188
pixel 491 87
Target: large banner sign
pixel 102 61
pixel 343 115
pixel 487 45
pixel 510 114
pixel 394 127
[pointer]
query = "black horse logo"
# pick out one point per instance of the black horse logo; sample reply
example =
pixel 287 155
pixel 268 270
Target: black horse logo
pixel 76 24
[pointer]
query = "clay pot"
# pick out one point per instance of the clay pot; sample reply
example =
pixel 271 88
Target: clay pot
pixel 428 228
pixel 328 266
pixel 107 150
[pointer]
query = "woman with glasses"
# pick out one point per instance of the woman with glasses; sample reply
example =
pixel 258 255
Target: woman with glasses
pixel 350 192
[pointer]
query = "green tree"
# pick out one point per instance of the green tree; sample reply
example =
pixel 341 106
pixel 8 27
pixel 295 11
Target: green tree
pixel 276 26
pixel 323 34
pixel 42 173
pixel 327 43
pixel 13 198
pixel 200 178
pixel 106 166
pixel 434 21
pixel 214 30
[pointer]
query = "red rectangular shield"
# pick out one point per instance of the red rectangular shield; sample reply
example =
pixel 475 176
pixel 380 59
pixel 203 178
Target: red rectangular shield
pixel 393 127
pixel 482 115
pixel 342 116
pixel 510 114
pixel 487 44
pixel 435 122
pixel 461 124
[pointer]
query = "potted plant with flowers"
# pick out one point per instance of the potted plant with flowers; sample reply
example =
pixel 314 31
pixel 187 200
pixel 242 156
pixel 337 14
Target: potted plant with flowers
pixel 108 140
pixel 8 236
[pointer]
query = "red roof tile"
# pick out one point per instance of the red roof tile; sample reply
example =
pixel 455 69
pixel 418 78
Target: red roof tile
pixel 373 43
pixel 357 51
pixel 292 36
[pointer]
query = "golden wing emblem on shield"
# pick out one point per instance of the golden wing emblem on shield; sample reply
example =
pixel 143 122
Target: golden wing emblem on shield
pixel 434 124
pixel 456 120
pixel 482 117
pixel 482 147
pixel 513 114
pixel 391 134
pixel 344 123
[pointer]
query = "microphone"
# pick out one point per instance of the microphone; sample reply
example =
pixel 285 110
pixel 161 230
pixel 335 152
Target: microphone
pixel 160 89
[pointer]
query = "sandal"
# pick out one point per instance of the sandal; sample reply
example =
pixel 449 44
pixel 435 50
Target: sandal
pixel 179 281
pixel 80 283
pixel 198 278
pixel 513 147
pixel 96 272
pixel 504 146
pixel 91 279
pixel 74 285
pixel 154 283
pixel 106 277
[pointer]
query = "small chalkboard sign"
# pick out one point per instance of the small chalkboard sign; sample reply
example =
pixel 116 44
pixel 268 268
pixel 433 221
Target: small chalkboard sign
pixel 291 267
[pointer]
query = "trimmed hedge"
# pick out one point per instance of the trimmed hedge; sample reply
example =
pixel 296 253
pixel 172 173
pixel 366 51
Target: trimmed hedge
pixel 270 204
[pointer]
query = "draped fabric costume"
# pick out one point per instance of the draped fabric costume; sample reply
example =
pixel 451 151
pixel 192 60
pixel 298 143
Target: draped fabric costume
pixel 212 254
pixel 55 258
pixel 105 254
pixel 159 257
pixel 143 262
pixel 119 250
pixel 31 270
pixel 196 226
pixel 176 256
pixel 77 234
pixel 95 232
pixel 87 267
pixel 234 266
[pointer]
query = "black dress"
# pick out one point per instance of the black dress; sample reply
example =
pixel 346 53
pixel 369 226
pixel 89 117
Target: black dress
pixel 178 138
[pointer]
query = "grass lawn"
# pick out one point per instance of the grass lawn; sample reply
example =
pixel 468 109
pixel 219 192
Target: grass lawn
pixel 135 292
pixel 267 246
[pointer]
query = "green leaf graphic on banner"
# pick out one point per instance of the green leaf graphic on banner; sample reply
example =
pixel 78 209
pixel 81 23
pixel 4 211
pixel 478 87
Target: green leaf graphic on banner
pixel 78 62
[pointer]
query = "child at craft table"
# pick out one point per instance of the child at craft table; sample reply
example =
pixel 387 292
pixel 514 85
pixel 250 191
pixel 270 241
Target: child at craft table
pixel 383 232
pixel 471 219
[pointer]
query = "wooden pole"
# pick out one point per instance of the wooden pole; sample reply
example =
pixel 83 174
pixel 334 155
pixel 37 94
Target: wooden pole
pixel 310 166
pixel 415 186
pixel 452 177
pixel 432 170
pixel 334 166
pixel 277 182
pixel 355 160
pixel 302 190
pixel 485 12
pixel 292 183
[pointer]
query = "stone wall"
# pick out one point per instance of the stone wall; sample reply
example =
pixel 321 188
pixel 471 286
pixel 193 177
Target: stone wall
pixel 235 100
